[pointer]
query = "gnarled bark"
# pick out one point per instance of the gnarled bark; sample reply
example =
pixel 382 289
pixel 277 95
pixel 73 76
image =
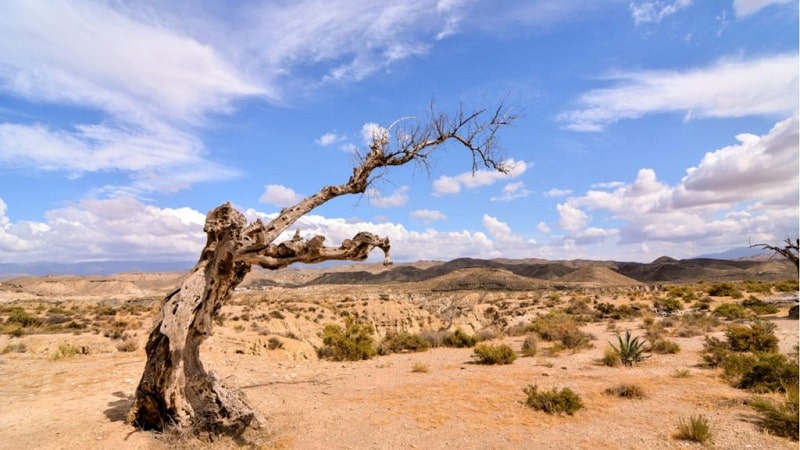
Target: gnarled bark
pixel 175 389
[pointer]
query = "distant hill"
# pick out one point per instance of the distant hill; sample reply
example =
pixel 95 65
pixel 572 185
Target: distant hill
pixel 8 270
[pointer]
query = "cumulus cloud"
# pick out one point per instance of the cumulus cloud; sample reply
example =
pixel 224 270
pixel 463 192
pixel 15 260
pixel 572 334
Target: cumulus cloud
pixel 328 139
pixel 428 215
pixel 445 185
pixel 744 8
pixel 282 196
pixel 98 230
pixel 728 88
pixel 397 198
pixel 543 227
pixel 740 192
pixel 656 11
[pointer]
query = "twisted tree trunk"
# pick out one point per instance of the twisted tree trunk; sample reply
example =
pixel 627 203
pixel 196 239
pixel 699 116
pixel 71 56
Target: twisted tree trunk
pixel 175 389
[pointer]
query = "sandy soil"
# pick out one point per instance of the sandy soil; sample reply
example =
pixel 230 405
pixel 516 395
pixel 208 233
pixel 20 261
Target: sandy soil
pixel 80 402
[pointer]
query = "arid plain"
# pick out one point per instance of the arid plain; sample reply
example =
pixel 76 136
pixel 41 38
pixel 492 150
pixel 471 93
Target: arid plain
pixel 73 351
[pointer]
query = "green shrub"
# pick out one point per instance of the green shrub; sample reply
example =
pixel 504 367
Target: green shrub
pixel 770 372
pixel 788 286
pixel 758 337
pixel 626 391
pixel 402 341
pixel 696 429
pixel 759 307
pixel 732 311
pixel 15 348
pixel 781 418
pixel 714 351
pixel 559 327
pixel 553 401
pixel 459 339
pixel 352 343
pixel 22 318
pixel 630 350
pixel 723 290
pixel 665 347
pixel 667 305
pixel 66 350
pixel 494 354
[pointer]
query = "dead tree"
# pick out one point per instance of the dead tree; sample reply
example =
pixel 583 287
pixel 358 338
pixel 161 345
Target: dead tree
pixel 175 389
pixel 788 251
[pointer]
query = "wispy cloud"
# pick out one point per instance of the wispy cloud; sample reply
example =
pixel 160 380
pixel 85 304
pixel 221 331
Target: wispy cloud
pixel 445 185
pixel 656 11
pixel 397 198
pixel 428 215
pixel 729 88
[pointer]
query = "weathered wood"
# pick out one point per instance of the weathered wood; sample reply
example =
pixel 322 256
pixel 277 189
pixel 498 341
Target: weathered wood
pixel 175 389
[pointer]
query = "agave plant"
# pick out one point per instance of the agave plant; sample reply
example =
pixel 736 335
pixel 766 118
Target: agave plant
pixel 631 349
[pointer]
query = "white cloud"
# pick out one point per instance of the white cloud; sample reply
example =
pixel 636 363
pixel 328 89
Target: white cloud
pixel 543 227
pixel 427 215
pixel 97 230
pixel 469 180
pixel 397 198
pixel 759 167
pixel 512 191
pixel 729 88
pixel 656 11
pixel 744 8
pixel 736 193
pixel 570 218
pixel 275 194
pixel 328 139
pixel 555 192
pixel 371 131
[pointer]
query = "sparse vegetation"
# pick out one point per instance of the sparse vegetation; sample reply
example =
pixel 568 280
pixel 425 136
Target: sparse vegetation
pixel 695 429
pixel 529 346
pixel 724 290
pixel 611 357
pixel 664 347
pixel 494 354
pixel 66 350
pixel 554 401
pixel 459 339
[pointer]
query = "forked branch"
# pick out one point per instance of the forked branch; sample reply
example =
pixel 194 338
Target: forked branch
pixel 476 132
pixel 788 251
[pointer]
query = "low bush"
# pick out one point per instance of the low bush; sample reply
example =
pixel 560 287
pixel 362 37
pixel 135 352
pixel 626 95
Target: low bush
pixel 554 401
pixel 788 286
pixel 494 354
pixel 695 429
pixel 668 305
pixel 769 372
pixel 559 327
pixel 352 343
pixel 459 339
pixel 402 341
pixel 724 290
pixel 779 418
pixel 127 344
pixel 759 336
pixel 529 346
pixel 66 350
pixel 759 307
pixel 664 347
pixel 419 367
pixel 626 391
pixel 732 311
pixel 611 357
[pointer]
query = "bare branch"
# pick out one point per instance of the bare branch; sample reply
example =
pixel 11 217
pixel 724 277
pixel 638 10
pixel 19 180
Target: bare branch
pixel 474 131
pixel 788 251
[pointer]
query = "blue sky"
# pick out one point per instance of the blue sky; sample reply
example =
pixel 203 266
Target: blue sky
pixel 646 128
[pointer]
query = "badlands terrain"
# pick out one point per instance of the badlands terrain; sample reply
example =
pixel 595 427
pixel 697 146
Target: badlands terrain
pixel 73 352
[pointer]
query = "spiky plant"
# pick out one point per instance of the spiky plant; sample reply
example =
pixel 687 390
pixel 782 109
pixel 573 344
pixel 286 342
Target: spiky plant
pixel 631 350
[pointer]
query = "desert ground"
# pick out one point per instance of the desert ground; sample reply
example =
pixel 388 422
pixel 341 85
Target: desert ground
pixel 73 352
